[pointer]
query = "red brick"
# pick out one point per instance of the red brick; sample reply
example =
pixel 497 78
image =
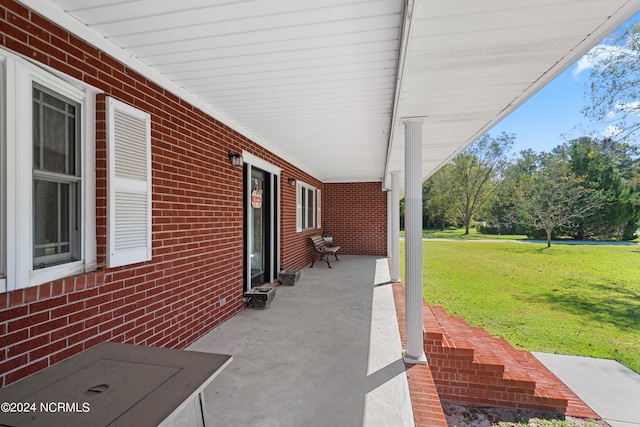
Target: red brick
pixel 47 350
pixel 80 316
pixel 67 309
pixel 11 364
pixel 47 304
pixel 27 321
pixel 16 297
pixel 46 327
pixel 25 371
pixel 28 345
pixel 13 313
pixel 81 336
pixel 66 353
pixel 12 338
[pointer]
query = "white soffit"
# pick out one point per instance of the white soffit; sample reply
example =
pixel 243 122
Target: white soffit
pixel 316 81
pixel 313 81
pixel 468 64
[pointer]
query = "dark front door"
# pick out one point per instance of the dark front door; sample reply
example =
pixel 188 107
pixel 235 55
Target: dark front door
pixel 259 226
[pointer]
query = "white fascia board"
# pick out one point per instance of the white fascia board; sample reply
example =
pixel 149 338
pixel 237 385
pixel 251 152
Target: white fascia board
pixel 66 21
pixel 407 20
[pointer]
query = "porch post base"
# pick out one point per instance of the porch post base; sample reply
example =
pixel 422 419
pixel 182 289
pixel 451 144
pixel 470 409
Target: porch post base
pixel 413 360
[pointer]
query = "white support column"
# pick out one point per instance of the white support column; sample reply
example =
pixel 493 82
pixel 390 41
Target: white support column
pixel 414 352
pixel 395 226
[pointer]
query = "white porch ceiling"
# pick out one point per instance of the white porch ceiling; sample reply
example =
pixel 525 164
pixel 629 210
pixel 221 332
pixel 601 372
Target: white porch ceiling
pixel 325 83
pixel 467 64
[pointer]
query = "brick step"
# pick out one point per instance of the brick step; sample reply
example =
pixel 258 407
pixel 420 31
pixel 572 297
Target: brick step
pixel 456 330
pixel 486 370
pixel 462 373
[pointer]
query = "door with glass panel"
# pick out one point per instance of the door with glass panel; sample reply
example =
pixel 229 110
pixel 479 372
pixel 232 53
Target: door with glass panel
pixel 259 226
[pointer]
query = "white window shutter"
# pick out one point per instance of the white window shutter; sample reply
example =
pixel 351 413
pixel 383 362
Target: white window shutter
pixel 128 184
pixel 299 209
pixel 318 209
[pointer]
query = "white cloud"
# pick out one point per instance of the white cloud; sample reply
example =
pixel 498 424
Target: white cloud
pixel 583 64
pixel 629 107
pixel 612 131
pixel 596 55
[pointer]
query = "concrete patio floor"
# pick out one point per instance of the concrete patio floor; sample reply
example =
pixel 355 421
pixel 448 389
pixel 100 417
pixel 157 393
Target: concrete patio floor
pixel 326 353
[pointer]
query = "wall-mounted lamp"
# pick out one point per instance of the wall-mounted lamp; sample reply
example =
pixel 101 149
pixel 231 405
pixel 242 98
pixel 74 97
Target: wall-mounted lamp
pixel 291 181
pixel 236 159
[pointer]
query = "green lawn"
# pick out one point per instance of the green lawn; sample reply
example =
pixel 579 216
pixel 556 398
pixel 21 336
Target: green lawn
pixel 568 299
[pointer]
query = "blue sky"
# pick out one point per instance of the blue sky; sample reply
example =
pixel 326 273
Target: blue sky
pixel 553 115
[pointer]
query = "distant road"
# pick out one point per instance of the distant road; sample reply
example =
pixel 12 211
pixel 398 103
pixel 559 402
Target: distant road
pixel 553 242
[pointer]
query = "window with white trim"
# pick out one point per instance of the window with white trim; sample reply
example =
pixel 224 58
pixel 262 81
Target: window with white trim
pixel 318 209
pixel 48 175
pixel 56 178
pixel 306 206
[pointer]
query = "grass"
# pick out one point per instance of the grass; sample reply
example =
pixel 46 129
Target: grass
pixel 568 299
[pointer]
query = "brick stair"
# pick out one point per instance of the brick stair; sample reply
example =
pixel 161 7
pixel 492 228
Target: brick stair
pixel 469 366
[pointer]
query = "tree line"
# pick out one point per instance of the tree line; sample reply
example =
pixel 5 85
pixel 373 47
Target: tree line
pixel 585 189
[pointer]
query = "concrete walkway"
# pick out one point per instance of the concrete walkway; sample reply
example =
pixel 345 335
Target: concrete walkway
pixel 326 353
pixel 609 388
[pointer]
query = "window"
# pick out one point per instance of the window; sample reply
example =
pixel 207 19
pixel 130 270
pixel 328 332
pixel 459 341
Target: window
pixel 305 218
pixel 47 185
pixel 56 178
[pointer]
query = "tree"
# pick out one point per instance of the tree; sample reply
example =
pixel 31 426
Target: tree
pixel 502 213
pixel 556 197
pixel 475 174
pixel 439 201
pixel 596 163
pixel 615 82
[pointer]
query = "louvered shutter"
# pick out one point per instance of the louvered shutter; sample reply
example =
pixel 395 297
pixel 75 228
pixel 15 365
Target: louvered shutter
pixel 318 209
pixel 299 209
pixel 128 184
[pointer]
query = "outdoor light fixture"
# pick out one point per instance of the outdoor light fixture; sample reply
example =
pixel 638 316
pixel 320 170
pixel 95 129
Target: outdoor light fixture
pixel 236 159
pixel 291 181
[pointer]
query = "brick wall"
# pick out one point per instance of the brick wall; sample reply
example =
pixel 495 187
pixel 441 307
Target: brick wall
pixel 295 247
pixel 173 299
pixel 356 216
